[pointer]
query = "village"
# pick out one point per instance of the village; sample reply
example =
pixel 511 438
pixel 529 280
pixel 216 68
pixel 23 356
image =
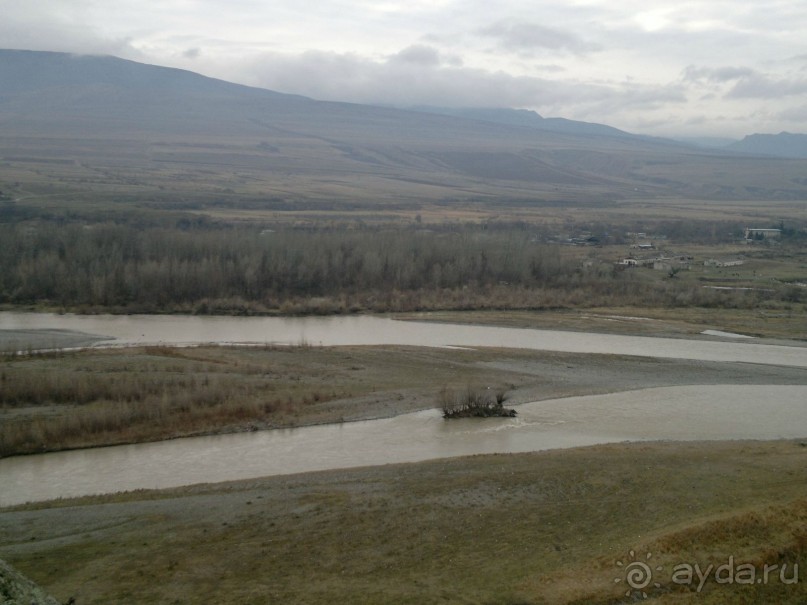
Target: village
pixel 671 262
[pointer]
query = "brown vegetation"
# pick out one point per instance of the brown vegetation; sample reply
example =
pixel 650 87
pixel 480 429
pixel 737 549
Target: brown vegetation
pixel 90 398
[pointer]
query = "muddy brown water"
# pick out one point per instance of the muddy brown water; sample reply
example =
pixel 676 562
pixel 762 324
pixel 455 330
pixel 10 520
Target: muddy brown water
pixel 376 330
pixel 668 413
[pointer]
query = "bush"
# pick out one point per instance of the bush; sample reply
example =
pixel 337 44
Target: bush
pixel 474 403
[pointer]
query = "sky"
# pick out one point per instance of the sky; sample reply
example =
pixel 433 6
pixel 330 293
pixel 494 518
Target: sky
pixel 683 68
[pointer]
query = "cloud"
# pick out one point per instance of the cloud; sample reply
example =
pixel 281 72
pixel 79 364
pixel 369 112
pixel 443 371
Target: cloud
pixel 796 115
pixel 746 83
pixel 525 37
pixel 716 74
pixel 35 26
pixel 420 76
pixel 418 54
pixel 760 86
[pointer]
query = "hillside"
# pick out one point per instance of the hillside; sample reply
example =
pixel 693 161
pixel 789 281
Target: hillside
pixel 524 118
pixel 102 125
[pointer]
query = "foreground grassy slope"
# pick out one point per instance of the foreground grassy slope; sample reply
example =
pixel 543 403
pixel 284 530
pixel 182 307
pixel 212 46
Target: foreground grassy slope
pixel 533 528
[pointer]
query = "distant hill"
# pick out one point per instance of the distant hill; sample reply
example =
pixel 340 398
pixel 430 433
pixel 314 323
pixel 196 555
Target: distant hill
pixel 708 142
pixel 784 145
pixel 106 125
pixel 526 118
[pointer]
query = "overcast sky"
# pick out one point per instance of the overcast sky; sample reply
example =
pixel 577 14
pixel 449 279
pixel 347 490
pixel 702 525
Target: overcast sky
pixel 673 68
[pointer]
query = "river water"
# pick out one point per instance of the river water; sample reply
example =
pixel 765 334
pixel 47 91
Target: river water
pixel 375 330
pixel 669 413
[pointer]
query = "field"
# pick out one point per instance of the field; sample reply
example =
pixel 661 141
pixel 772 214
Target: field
pixel 550 527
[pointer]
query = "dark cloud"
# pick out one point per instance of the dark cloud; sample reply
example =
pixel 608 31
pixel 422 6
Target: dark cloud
pixel 760 86
pixel 746 83
pixel 418 54
pixel 530 37
pixel 716 74
pixel 192 53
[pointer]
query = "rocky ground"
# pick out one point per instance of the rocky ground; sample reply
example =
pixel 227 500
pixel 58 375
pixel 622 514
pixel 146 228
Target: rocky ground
pixel 16 589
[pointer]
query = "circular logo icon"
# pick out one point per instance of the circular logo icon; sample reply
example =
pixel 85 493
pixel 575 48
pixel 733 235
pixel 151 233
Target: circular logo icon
pixel 638 575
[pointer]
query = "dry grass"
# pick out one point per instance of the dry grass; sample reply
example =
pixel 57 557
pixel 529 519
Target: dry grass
pixel 61 401
pixel 655 321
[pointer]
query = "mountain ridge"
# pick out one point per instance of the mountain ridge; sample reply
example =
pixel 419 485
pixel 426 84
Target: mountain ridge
pixel 150 121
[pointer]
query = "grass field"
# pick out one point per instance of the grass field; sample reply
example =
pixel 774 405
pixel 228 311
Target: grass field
pixel 523 529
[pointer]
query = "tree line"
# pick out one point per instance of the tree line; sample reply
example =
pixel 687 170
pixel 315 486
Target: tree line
pixel 221 268
pixel 110 265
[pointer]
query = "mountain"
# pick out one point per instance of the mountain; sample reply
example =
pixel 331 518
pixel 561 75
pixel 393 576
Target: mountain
pixel 784 145
pixel 103 126
pixel 527 119
pixel 708 142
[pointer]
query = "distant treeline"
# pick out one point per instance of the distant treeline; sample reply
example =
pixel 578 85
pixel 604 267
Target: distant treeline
pixel 123 266
pixel 225 269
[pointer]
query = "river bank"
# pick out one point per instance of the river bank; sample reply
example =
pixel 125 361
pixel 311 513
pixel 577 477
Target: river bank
pixel 527 528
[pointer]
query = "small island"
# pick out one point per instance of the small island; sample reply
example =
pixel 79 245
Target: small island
pixel 475 403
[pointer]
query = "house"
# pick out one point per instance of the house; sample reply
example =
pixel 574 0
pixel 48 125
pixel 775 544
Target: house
pixel 713 262
pixel 668 263
pixel 760 234
pixel 635 262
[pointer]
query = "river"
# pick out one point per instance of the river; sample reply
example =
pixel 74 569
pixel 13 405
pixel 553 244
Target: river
pixel 376 330
pixel 669 413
